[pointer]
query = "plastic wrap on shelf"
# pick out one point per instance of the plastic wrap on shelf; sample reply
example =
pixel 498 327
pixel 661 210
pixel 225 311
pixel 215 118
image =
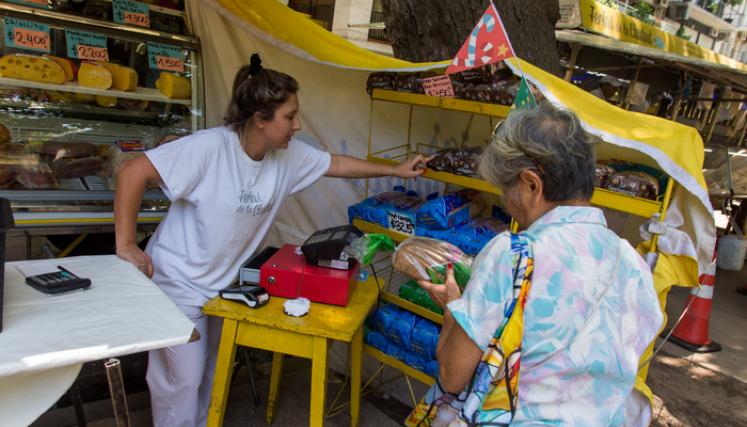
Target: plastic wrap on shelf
pixel 478 85
pixel 423 258
pixel 404 336
pixel 633 183
pixel 377 209
pixel 364 248
pixel 410 291
pixel 446 211
pixel 461 161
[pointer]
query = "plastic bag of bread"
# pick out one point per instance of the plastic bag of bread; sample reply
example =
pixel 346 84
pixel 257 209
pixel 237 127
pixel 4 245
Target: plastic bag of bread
pixel 633 183
pixel 602 171
pixel 76 168
pixel 423 258
pixel 461 161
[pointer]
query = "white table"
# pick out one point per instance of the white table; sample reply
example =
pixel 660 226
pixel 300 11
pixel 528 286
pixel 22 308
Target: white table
pixel 46 339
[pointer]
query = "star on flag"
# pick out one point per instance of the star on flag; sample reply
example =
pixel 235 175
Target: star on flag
pixel 486 44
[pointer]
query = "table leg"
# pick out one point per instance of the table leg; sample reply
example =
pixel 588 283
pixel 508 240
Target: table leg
pixel 223 372
pixel 275 375
pixel 356 356
pixel 318 381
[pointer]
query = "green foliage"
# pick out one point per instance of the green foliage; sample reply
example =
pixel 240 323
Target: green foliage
pixel 681 33
pixel 644 12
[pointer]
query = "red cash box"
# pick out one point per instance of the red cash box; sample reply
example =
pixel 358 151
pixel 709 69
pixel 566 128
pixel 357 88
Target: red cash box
pixel 288 275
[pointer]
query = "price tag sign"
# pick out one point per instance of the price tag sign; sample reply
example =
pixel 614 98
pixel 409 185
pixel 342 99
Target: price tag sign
pixel 438 86
pixel 401 222
pixel 165 57
pixel 86 46
pixel 131 12
pixel 128 145
pixel 26 35
pixel 43 4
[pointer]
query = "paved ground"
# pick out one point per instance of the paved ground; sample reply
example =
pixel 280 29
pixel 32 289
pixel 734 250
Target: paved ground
pixel 691 390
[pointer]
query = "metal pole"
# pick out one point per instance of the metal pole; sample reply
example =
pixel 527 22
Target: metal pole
pixel 714 114
pixel 678 99
pixel 632 84
pixel 117 392
pixel 575 49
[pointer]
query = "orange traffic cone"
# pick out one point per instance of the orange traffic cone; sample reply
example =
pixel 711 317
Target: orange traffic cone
pixel 691 333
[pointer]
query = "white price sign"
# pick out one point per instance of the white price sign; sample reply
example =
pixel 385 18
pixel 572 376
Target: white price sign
pixel 401 223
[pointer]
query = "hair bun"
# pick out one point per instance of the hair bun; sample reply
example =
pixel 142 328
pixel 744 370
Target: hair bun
pixel 255 64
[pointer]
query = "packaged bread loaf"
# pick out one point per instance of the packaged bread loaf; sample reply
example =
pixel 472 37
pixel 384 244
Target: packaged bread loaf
pixel 601 173
pixel 633 183
pixel 423 258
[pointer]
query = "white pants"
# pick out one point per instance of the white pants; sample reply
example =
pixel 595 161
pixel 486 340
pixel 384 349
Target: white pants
pixel 180 378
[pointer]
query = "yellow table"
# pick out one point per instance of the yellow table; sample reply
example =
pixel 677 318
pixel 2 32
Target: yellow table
pixel 269 328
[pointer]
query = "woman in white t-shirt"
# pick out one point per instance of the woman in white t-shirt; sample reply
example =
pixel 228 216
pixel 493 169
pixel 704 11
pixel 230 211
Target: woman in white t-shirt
pixel 225 185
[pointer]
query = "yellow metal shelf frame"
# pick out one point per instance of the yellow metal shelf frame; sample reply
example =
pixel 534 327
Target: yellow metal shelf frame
pixel 398 365
pixel 441 102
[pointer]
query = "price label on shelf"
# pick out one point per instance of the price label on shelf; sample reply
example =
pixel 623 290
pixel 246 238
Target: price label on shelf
pixel 86 46
pixel 438 86
pixel 43 4
pixel 165 57
pixel 401 222
pixel 131 12
pixel 27 35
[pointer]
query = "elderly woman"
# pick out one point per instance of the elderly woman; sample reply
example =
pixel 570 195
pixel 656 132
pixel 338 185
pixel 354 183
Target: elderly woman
pixel 589 305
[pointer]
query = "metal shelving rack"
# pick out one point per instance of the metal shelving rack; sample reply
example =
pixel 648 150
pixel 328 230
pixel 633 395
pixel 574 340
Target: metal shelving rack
pixel 603 198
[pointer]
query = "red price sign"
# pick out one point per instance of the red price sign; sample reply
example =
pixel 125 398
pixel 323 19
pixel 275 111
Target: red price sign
pixel 138 19
pixel 438 86
pixel 92 53
pixel 23 37
pixel 39 2
pixel 169 64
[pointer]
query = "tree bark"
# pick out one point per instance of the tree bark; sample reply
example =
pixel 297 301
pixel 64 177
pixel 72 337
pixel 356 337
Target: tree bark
pixel 434 30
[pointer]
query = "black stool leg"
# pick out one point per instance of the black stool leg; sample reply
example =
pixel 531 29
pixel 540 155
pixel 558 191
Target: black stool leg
pixel 80 415
pixel 249 366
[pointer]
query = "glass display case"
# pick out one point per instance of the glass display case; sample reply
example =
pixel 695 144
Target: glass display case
pixel 85 86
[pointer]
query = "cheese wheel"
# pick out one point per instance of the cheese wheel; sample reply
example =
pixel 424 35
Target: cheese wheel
pixel 106 101
pixel 67 65
pixel 173 85
pixel 125 78
pixel 84 97
pixel 95 76
pixel 33 68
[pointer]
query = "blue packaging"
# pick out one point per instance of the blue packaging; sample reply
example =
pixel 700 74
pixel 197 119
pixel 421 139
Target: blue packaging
pixel 474 235
pixel 425 339
pixel 376 209
pixel 445 212
pixel 385 317
pixel 376 340
pixel 401 329
pixel 432 368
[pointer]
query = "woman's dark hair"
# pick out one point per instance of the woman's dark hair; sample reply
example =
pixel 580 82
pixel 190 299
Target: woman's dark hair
pixel 257 90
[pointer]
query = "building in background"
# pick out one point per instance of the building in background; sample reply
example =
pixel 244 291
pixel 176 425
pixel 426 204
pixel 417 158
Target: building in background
pixel 359 21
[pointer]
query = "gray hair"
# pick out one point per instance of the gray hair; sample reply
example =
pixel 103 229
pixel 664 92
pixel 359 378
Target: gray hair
pixel 550 141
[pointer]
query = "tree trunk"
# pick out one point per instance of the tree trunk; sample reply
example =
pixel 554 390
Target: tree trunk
pixel 434 30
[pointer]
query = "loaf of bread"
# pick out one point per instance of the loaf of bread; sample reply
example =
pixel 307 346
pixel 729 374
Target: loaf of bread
pixel 601 173
pixel 417 257
pixel 32 68
pixel 7 175
pixel 37 177
pixel 60 150
pixel 67 168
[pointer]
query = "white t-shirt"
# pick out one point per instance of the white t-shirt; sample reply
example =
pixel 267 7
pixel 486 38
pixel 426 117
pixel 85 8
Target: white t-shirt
pixel 222 205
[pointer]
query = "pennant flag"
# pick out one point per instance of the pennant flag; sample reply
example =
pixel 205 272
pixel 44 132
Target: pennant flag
pixel 487 43
pixel 524 97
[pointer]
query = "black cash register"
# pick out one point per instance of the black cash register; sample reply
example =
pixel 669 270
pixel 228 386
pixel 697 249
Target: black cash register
pixel 324 248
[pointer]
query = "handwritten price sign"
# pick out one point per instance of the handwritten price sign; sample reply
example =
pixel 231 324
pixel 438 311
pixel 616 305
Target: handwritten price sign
pixel 131 12
pixel 438 86
pixel 26 35
pixel 86 46
pixel 165 57
pixel 401 223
